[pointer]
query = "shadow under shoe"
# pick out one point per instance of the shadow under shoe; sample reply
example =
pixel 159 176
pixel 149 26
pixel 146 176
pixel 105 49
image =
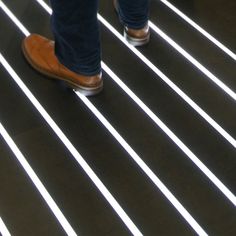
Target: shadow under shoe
pixel 39 52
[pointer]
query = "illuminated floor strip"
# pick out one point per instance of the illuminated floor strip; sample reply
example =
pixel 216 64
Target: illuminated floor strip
pixel 101 187
pixel 34 178
pixel 45 6
pixel 3 229
pixel 200 29
pixel 176 140
pixel 184 96
pixel 108 196
pixel 196 63
pixel 192 222
pixel 98 183
pixel 173 137
pixel 138 160
pixel 14 19
pixel 184 17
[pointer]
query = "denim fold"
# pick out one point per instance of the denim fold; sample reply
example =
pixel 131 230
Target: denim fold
pixel 76 31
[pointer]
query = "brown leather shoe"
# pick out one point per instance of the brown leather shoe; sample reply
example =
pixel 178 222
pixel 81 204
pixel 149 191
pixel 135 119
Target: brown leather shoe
pixel 39 52
pixel 136 37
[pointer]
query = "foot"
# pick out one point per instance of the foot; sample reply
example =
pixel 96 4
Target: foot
pixel 39 52
pixel 136 37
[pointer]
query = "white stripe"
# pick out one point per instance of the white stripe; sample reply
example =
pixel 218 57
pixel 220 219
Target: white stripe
pixel 184 96
pixel 196 63
pixel 203 69
pixel 115 205
pixel 45 6
pixel 192 222
pixel 173 137
pixel 177 141
pixel 205 170
pixel 143 165
pixel 38 184
pixel 200 29
pixel 146 169
pixel 184 17
pixel 14 19
pixel 3 229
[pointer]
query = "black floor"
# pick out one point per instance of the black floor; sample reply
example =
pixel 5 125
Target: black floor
pixel 22 208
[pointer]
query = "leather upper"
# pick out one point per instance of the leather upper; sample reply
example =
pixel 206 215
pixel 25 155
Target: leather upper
pixel 40 53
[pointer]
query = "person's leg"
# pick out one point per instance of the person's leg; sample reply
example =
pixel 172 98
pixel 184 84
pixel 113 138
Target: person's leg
pixel 74 57
pixel 75 28
pixel 134 13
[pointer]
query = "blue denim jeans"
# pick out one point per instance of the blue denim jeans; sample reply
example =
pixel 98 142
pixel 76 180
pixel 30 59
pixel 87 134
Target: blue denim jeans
pixel 75 27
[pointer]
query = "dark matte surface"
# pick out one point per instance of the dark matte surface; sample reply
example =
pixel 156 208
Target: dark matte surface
pixel 20 203
pixel 47 156
pixel 82 204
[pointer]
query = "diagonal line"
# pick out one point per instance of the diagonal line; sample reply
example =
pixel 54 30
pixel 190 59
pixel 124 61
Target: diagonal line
pixel 200 29
pixel 203 69
pixel 98 183
pixel 179 207
pixel 14 19
pixel 3 229
pixel 174 87
pixel 144 167
pixel 36 181
pixel 203 166
pixel 191 59
pixel 184 17
pixel 174 138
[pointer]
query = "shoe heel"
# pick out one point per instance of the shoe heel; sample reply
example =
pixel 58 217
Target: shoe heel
pixel 135 41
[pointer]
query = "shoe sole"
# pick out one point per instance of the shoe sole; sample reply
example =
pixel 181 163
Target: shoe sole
pixel 86 91
pixel 135 41
pixel 131 40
